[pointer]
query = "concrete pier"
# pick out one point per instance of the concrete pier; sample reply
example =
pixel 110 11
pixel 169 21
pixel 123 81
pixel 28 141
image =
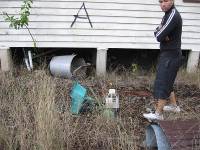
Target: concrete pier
pixel 101 61
pixel 193 61
pixel 5 59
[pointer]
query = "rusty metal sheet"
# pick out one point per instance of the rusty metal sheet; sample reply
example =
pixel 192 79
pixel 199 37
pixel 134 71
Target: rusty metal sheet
pixel 182 134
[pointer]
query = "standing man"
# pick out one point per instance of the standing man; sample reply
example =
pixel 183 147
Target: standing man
pixel 168 33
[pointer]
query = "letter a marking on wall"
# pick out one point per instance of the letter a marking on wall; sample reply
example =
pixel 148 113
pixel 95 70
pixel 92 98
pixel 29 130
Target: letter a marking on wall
pixel 77 16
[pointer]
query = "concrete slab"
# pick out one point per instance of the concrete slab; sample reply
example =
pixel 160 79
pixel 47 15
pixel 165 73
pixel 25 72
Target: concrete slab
pixel 5 59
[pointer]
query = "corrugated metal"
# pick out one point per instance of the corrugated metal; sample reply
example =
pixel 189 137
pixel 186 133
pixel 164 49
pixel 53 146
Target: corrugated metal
pixel 116 24
pixel 182 134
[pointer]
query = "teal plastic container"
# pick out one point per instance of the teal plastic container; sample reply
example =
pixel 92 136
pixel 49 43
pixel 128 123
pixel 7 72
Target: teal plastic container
pixel 77 95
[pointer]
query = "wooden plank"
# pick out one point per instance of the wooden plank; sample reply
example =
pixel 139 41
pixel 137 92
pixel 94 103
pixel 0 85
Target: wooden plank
pixel 102 15
pixel 192 1
pixel 106 26
pixel 82 32
pixel 97 19
pixel 78 38
pixel 149 2
pixel 85 26
pixel 89 5
pixel 94 12
pixel 64 25
pixel 178 2
pixel 93 5
pixel 83 38
pixel 80 44
pixel 91 12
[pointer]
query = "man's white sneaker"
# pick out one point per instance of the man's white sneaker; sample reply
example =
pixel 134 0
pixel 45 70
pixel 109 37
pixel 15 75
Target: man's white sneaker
pixel 153 116
pixel 172 108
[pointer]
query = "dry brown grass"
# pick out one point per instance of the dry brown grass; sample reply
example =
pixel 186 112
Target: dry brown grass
pixel 35 113
pixel 189 78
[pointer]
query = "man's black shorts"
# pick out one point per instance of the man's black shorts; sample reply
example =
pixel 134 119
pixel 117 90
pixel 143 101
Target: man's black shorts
pixel 166 73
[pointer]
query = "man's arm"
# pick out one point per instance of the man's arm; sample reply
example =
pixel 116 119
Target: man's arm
pixel 162 33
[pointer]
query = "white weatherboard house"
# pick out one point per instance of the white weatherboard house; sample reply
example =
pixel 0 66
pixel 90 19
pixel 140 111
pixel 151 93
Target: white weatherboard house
pixel 109 24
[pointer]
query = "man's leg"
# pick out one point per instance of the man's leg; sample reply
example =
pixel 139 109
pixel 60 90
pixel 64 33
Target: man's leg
pixel 172 98
pixel 159 110
pixel 172 106
pixel 163 84
pixel 160 105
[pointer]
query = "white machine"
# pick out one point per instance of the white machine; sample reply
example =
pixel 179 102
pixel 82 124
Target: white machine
pixel 112 99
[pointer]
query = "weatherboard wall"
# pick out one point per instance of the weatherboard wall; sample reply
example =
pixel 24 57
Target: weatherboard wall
pixel 115 24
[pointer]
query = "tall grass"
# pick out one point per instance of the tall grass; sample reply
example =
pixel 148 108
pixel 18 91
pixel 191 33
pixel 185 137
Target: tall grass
pixel 35 113
pixel 189 78
pixel 27 109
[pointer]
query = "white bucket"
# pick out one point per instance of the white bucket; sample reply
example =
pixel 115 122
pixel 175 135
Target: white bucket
pixel 63 66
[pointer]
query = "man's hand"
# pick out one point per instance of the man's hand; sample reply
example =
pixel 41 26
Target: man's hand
pixel 157 29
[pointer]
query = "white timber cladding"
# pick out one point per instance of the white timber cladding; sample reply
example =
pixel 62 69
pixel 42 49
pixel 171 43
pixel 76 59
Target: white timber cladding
pixel 116 24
